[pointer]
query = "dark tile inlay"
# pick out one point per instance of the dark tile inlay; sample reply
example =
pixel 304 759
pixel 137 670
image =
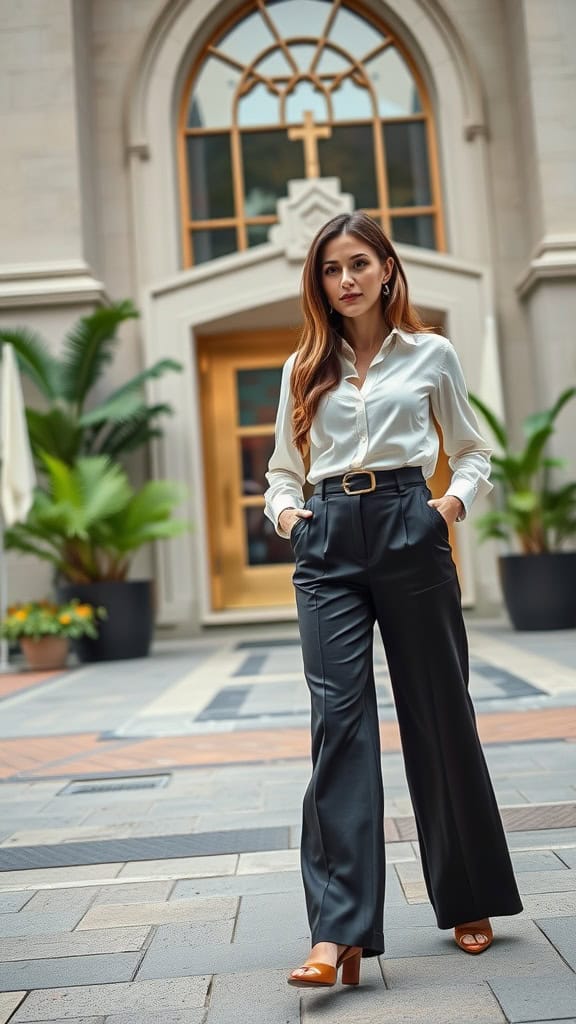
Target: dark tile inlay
pixel 226 703
pixel 112 851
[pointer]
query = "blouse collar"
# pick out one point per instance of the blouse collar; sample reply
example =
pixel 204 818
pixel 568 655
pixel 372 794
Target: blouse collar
pixel 348 354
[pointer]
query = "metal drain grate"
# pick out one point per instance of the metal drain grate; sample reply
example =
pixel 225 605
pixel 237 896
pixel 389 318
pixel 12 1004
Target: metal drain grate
pixel 116 785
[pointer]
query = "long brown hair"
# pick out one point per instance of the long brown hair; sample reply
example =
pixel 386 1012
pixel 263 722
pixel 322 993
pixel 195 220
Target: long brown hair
pixel 316 369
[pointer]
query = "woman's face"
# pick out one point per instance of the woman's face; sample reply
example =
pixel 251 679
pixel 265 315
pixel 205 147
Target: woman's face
pixel 352 275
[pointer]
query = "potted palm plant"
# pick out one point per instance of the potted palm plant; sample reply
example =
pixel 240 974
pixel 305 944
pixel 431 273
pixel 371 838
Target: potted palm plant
pixel 66 427
pixel 87 523
pixel 44 629
pixel 539 580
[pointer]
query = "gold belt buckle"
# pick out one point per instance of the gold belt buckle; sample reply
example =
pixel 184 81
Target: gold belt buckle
pixel 359 472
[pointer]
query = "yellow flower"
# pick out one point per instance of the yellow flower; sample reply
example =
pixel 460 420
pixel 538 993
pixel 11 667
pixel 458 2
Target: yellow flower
pixel 84 611
pixel 65 619
pixel 21 615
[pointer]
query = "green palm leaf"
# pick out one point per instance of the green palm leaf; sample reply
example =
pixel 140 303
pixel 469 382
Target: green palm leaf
pixel 88 348
pixel 55 432
pixel 34 359
pixel 540 420
pixel 114 410
pixel 497 427
pixel 153 372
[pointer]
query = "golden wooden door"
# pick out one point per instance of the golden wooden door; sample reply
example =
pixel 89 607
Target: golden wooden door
pixel 251 566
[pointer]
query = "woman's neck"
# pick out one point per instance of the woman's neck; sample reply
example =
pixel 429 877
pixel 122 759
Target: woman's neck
pixel 367 332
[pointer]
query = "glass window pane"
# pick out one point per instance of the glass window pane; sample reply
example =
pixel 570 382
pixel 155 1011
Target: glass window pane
pixel 263 545
pixel 257 234
pixel 255 452
pixel 246 39
pixel 258 106
pixel 298 17
pixel 303 54
pixel 394 85
pixel 211 99
pixel 349 155
pixel 270 160
pixel 414 231
pixel 354 33
pixel 350 102
pixel 208 245
pixel 275 64
pixel 331 63
pixel 305 97
pixel 257 395
pixel 407 164
pixel 210 176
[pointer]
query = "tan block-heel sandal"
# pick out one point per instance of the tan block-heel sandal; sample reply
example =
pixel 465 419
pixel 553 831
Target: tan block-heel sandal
pixel 474 928
pixel 325 975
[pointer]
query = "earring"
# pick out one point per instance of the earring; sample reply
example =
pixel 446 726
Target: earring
pixel 330 310
pixel 385 289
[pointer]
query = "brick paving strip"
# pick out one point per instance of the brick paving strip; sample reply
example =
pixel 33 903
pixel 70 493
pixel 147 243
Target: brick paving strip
pixel 17 682
pixel 88 754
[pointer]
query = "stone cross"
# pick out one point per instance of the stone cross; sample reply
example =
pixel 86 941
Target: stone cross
pixel 310 133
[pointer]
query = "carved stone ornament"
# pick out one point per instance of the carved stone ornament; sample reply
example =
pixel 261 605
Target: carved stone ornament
pixel 310 203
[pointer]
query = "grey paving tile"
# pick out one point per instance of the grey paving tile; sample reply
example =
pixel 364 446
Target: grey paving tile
pixel 224 958
pixel 8 1003
pixel 462 1004
pixel 538 860
pixel 61 901
pixel 238 885
pixel 80 1020
pixel 68 944
pixel 29 923
pixel 259 917
pixel 561 932
pixel 409 916
pixel 546 881
pixel 519 947
pixel 542 838
pixel 162 1017
pixel 134 892
pixel 116 915
pixel 529 999
pixel 12 902
pixel 72 970
pixel 46 876
pixel 550 904
pixel 173 948
pixel 152 997
pixel 254 998
pixel 182 867
pixel 568 856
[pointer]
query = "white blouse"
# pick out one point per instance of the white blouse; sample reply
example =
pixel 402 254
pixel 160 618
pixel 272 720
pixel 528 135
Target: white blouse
pixel 385 424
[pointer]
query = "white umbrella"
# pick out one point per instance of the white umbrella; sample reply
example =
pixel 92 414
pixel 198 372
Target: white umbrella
pixel 18 476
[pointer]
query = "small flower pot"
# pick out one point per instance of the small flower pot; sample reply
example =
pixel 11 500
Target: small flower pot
pixel 45 652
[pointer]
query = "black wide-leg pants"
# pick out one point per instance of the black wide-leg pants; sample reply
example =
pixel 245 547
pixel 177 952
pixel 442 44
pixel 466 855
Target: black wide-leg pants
pixel 385 556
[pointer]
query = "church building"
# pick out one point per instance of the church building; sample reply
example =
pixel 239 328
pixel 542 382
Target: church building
pixel 182 153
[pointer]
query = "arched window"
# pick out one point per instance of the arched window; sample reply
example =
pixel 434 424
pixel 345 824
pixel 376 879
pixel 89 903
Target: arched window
pixel 304 88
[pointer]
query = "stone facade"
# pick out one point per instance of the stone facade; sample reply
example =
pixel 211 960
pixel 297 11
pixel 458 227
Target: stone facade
pixel 89 201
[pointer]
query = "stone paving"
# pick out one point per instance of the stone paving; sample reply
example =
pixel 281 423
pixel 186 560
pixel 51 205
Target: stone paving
pixel 149 830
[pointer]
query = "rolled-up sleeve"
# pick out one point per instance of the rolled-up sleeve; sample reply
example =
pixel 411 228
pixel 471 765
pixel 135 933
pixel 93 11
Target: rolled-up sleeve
pixel 468 452
pixel 286 471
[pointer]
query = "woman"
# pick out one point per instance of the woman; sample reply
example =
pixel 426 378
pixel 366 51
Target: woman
pixel 370 544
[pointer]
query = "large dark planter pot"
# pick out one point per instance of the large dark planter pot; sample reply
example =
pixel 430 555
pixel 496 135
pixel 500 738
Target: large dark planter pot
pixel 540 590
pixel 127 632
